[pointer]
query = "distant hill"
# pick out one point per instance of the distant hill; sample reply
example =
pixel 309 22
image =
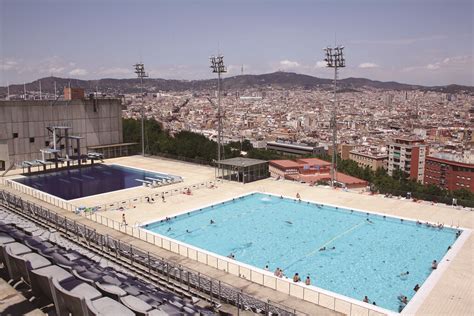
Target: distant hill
pixel 283 80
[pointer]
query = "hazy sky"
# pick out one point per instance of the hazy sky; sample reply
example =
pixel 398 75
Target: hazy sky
pixel 426 42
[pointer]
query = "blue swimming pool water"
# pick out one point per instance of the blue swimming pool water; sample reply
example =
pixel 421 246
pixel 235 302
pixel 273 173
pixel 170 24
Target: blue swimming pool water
pixel 77 183
pixel 367 260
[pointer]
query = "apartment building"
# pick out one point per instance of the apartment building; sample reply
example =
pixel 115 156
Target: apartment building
pixel 448 172
pixel 369 159
pixel 408 154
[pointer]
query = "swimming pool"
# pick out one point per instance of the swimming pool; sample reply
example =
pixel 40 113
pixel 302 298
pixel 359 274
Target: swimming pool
pixel 371 251
pixel 91 180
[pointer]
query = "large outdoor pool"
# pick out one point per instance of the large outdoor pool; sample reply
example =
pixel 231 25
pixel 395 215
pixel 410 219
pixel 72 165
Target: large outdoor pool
pixel 371 251
pixel 81 182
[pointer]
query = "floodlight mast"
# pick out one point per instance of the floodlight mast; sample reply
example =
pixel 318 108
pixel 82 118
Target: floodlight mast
pixel 217 66
pixel 140 71
pixel 334 59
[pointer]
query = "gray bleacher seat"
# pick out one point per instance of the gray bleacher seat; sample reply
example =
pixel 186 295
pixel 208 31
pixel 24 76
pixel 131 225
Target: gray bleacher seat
pixel 89 276
pixel 139 307
pixel 70 296
pixel 14 248
pixel 25 263
pixel 4 239
pixel 157 312
pixel 110 290
pixel 41 279
pixel 105 306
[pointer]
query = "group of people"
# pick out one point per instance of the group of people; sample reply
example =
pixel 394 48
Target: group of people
pixel 402 298
pixel 296 278
pixel 367 300
pixel 150 199
pixel 324 248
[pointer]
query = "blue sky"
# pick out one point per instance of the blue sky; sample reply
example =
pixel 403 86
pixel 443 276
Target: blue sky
pixel 426 42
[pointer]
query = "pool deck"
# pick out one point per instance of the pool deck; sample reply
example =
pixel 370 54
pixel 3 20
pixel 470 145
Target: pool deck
pixel 452 294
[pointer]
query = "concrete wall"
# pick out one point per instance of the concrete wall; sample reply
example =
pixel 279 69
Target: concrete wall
pixel 29 120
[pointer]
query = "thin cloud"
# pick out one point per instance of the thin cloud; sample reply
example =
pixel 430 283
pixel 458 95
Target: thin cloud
pixel 432 66
pixel 401 41
pixel 78 72
pixel 56 70
pixel 368 65
pixel 455 62
pixel 320 64
pixel 289 64
pixel 114 71
pixel 8 65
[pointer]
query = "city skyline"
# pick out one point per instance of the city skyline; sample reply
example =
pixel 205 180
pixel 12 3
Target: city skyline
pixel 398 41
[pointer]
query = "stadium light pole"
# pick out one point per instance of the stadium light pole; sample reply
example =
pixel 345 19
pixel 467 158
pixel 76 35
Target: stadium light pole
pixel 217 66
pixel 334 59
pixel 140 71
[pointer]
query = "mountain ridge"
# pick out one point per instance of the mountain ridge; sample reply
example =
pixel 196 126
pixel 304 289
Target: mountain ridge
pixel 285 80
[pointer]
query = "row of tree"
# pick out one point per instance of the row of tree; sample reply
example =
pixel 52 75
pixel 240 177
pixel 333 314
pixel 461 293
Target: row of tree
pixel 196 147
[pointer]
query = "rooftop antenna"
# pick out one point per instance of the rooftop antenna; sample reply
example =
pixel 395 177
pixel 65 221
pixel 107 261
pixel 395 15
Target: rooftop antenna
pixel 334 59
pixel 217 66
pixel 55 91
pixel 140 71
pixel 24 90
pixel 40 90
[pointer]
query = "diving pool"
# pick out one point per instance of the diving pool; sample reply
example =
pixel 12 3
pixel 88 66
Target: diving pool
pixel 91 180
pixel 371 251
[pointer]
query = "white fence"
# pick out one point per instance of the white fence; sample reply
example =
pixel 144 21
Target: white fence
pixel 40 195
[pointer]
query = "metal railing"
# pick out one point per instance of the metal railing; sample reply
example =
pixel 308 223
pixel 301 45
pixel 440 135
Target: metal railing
pixel 156 196
pixel 181 279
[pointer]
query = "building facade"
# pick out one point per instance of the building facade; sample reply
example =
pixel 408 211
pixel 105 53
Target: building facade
pixel 408 155
pixel 367 159
pixel 449 174
pixel 26 125
pixel 296 150
pixel 311 170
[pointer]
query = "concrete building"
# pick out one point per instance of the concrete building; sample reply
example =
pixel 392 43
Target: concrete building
pixel 25 125
pixel 408 154
pixel 369 159
pixel 293 149
pixel 311 170
pixel 444 171
pixel 342 149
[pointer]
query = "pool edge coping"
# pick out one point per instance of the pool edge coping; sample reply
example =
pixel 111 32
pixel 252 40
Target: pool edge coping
pixel 427 285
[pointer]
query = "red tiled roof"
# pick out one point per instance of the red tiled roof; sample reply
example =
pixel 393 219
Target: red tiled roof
pixel 340 177
pixel 313 162
pixel 285 163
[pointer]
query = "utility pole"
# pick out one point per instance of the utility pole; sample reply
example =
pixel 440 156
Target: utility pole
pixel 217 65
pixel 334 59
pixel 140 71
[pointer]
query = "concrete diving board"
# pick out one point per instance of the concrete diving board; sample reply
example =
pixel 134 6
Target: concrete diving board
pixel 43 162
pixel 144 182
pixel 49 150
pixel 156 182
pixel 154 179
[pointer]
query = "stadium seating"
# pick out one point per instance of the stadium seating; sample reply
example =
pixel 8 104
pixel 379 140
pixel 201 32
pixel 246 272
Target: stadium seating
pixel 78 281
